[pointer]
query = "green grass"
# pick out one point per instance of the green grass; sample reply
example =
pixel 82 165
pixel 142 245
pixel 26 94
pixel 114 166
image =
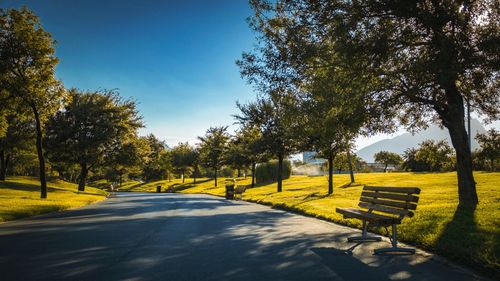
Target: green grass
pixel 20 197
pixel 470 237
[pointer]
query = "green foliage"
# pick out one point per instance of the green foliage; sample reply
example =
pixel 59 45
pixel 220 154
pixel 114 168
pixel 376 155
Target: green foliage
pixel 27 72
pixel 213 147
pixel 184 158
pixel 410 62
pixel 341 162
pixel 388 158
pixel 430 156
pixel 158 161
pixel 268 172
pixel 438 155
pixel 94 128
pixel 490 149
pixel 411 163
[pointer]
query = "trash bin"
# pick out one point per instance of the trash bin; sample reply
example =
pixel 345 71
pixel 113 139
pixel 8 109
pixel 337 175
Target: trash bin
pixel 158 188
pixel 230 184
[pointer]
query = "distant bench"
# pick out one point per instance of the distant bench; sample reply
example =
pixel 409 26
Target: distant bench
pixel 238 191
pixel 383 206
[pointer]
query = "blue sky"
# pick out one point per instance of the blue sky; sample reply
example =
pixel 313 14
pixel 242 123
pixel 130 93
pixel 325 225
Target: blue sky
pixel 176 58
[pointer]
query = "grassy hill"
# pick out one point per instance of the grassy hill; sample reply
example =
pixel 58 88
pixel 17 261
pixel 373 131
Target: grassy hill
pixel 20 197
pixel 467 236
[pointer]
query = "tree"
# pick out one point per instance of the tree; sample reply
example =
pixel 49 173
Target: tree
pixel 213 147
pixel 277 119
pixel 27 65
pixel 237 156
pixel 437 155
pixel 183 158
pixel 490 146
pixel 18 137
pixel 388 158
pixel 158 161
pixel 91 129
pixel 249 139
pixel 127 158
pixel 411 163
pixel 427 57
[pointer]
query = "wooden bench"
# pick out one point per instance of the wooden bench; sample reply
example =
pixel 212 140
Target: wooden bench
pixel 238 191
pixel 383 206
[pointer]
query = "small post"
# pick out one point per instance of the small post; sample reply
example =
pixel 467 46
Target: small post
pixel 158 188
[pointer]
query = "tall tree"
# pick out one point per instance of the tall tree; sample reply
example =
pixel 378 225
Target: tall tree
pixel 213 147
pixel 429 57
pixel 92 127
pixel 183 158
pixel 278 120
pixel 388 158
pixel 27 65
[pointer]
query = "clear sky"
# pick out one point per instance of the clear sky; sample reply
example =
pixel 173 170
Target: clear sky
pixel 176 58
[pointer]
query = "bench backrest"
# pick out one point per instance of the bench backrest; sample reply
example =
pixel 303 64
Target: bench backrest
pixel 394 201
pixel 240 189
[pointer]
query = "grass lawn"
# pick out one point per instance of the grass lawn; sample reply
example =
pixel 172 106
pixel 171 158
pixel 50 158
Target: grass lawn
pixel 20 197
pixel 470 237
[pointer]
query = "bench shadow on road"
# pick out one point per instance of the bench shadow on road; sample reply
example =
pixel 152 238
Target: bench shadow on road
pixel 174 237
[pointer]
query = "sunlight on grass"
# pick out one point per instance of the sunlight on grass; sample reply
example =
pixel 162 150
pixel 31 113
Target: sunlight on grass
pixel 471 238
pixel 20 197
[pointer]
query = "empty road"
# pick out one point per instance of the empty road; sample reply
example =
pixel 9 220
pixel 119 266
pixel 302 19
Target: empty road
pixel 147 236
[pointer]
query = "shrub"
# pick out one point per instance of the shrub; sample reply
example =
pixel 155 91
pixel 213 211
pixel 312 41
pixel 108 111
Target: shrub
pixel 268 172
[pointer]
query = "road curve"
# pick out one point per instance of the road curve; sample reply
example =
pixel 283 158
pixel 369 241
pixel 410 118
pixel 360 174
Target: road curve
pixel 147 236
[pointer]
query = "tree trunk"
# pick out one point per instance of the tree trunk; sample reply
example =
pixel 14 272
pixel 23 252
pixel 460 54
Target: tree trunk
pixel 83 176
pixel 385 168
pixel 39 151
pixel 215 169
pixel 253 173
pixel 454 121
pixel 280 172
pixel 330 173
pixel 349 162
pixel 239 172
pixel 120 179
pixel 3 165
pixel 182 176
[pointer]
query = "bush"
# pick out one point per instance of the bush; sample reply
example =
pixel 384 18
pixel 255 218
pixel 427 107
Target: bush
pixel 268 172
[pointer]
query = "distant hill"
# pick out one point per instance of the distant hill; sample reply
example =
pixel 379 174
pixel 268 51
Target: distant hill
pixel 400 143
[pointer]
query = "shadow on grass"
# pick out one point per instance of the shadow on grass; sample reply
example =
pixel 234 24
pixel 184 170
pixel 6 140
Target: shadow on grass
pixel 351 184
pixel 464 241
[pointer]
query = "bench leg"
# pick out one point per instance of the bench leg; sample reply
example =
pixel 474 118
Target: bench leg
pixel 364 236
pixel 394 242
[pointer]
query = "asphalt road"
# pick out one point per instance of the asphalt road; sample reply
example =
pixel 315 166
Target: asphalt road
pixel 139 236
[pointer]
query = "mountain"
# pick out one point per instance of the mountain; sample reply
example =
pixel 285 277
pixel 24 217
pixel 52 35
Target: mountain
pixel 400 143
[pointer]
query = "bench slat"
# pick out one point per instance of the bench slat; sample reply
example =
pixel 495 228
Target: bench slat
pixel 384 209
pixel 400 197
pixel 240 189
pixel 402 205
pixel 413 190
pixel 363 215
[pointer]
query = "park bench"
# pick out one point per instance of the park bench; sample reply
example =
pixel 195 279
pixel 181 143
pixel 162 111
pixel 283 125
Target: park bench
pixel 238 191
pixel 383 206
